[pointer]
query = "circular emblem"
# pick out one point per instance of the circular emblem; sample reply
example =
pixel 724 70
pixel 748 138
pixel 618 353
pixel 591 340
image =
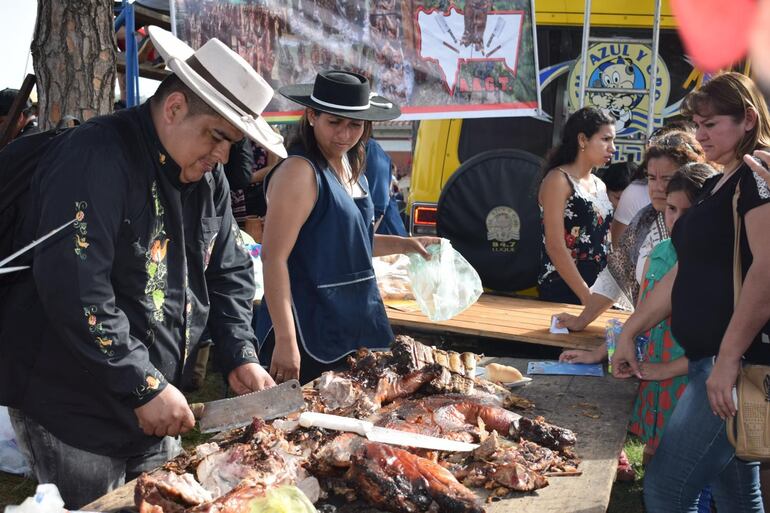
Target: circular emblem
pixel 503 224
pixel 622 66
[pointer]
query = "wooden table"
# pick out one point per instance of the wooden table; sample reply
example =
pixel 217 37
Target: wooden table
pixel 567 401
pixel 573 402
pixel 507 318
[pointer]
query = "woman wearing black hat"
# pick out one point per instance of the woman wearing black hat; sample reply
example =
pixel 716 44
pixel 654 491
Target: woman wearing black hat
pixel 321 299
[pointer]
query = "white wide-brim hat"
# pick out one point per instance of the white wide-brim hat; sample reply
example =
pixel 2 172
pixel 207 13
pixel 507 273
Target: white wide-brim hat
pixel 225 81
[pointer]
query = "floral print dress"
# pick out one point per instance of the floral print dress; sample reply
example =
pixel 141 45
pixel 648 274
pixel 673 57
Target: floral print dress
pixel 656 399
pixel 587 219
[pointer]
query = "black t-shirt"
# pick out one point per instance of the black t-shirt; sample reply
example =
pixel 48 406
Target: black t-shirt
pixel 702 297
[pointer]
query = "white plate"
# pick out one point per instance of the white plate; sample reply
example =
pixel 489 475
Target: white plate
pixel 520 383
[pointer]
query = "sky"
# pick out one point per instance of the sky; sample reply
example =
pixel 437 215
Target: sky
pixel 17 23
pixel 17 26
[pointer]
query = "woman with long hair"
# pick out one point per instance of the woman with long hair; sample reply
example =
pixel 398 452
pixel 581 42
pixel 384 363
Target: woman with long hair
pixel 718 337
pixel 575 209
pixel 321 299
pixel 619 282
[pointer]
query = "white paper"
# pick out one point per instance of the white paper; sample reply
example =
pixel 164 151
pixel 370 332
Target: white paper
pixel 555 329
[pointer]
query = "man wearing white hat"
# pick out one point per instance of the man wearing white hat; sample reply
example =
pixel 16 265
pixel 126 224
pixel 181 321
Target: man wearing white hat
pixel 95 336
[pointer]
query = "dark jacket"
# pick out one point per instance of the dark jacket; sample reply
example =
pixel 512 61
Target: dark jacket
pixel 114 305
pixel 379 176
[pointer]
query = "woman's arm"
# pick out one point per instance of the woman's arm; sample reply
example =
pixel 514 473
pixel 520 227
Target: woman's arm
pixel 596 305
pixel 664 370
pixel 259 175
pixel 595 355
pixel 291 196
pixel 616 231
pixel 554 192
pixel 644 274
pixel 655 308
pixel 751 313
pixel 393 244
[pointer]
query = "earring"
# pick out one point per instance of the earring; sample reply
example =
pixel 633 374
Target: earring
pixel 311 124
pixel 582 148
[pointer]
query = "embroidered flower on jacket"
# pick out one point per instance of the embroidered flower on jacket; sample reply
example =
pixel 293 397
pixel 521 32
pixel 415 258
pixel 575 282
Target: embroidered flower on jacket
pixel 155 264
pixel 81 229
pixel 151 383
pixel 96 328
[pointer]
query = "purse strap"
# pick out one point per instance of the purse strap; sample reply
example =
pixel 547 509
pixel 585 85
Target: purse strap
pixel 731 425
pixel 737 271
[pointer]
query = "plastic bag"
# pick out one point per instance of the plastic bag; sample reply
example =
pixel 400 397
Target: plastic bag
pixel 393 277
pixel 286 499
pixel 446 284
pixel 46 500
pixel 611 333
pixel 254 249
pixel 11 458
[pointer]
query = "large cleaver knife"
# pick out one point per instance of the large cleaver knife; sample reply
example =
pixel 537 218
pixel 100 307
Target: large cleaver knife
pixel 239 411
pixel 382 435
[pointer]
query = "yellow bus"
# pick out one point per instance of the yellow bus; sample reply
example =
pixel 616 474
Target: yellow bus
pixel 474 181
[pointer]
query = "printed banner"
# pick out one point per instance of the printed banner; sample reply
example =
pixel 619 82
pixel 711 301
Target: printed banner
pixel 436 58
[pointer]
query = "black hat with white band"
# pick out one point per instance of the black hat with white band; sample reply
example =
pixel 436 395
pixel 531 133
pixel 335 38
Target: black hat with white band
pixel 343 94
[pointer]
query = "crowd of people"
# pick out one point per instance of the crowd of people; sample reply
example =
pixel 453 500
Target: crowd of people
pixel 96 337
pixel 676 271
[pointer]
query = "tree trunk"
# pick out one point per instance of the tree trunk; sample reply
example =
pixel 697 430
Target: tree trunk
pixel 73 53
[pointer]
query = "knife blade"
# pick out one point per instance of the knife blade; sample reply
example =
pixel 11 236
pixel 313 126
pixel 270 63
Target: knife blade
pixel 6 270
pixel 36 242
pixel 382 435
pixel 239 411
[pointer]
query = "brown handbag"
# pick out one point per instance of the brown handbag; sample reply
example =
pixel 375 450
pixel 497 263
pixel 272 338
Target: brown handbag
pixel 749 430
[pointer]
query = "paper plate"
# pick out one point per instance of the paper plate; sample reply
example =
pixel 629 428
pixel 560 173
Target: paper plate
pixel 519 383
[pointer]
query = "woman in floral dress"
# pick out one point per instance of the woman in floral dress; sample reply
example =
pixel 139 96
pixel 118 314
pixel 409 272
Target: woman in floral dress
pixel 575 209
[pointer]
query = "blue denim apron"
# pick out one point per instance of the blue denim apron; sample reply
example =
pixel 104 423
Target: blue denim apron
pixel 336 304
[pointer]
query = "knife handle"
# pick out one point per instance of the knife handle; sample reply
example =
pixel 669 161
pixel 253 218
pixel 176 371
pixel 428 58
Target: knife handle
pixel 197 410
pixel 335 422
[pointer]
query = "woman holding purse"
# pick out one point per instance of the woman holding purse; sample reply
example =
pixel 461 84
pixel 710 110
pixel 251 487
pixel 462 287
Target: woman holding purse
pixel 732 120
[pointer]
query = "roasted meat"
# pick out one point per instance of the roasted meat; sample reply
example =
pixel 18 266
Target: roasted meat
pixel 443 415
pixel 412 388
pixel 499 463
pixel 542 433
pixel 246 464
pixel 396 480
pixel 236 500
pixel 334 458
pixel 164 491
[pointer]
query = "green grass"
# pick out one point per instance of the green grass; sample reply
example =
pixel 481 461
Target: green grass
pixel 627 497
pixel 14 489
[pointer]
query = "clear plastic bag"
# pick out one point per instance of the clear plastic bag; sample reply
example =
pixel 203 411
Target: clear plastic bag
pixel 11 458
pixel 285 499
pixel 254 249
pixel 392 277
pixel 446 284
